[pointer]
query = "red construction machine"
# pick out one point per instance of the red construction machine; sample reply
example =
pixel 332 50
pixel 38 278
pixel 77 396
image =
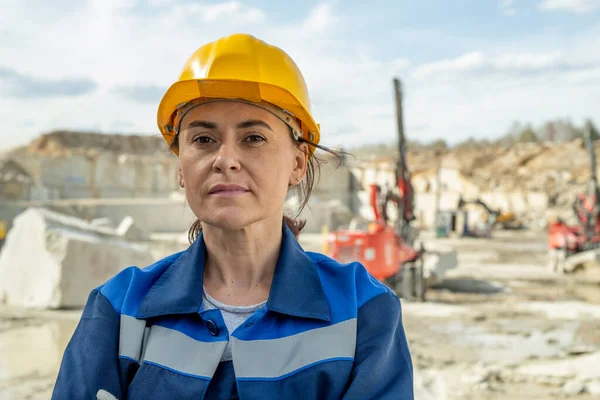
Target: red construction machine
pixel 570 246
pixel 386 247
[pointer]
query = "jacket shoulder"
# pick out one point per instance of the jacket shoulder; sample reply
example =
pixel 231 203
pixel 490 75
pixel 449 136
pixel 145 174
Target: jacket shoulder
pixel 353 277
pixel 126 290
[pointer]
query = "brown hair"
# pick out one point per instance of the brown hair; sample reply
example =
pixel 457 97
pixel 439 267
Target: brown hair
pixel 303 190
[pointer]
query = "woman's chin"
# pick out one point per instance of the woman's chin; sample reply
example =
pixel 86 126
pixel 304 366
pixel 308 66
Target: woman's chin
pixel 230 220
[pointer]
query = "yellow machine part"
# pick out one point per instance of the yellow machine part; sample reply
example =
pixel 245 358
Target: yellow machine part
pixel 506 217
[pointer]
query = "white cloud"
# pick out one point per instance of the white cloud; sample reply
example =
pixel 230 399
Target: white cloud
pixel 321 18
pixel 584 76
pixel 575 6
pixel 231 9
pixel 467 62
pixel 508 63
pixel 528 61
pixel 507 7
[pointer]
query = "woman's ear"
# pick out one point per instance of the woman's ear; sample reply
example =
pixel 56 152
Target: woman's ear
pixel 300 164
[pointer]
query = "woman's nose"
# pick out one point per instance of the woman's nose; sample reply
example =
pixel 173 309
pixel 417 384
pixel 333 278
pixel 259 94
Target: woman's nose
pixel 227 158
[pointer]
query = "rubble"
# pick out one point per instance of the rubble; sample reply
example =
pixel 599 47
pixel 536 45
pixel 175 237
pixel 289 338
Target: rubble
pixel 484 377
pixel 572 388
pixel 593 388
pixel 557 381
pixel 51 260
pixel 580 350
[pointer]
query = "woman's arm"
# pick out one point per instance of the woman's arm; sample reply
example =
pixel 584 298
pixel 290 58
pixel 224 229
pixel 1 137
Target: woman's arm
pixel 382 366
pixel 90 363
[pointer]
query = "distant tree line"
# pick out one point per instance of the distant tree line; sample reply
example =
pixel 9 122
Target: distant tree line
pixel 557 131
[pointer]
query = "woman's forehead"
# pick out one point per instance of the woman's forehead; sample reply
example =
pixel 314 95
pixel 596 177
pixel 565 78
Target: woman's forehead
pixel 229 113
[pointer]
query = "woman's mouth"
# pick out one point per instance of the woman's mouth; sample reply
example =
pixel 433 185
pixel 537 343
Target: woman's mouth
pixel 227 190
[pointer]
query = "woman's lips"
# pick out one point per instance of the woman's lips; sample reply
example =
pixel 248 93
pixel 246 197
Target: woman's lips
pixel 227 190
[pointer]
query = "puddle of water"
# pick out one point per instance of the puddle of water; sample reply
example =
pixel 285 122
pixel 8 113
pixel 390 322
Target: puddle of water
pixel 37 350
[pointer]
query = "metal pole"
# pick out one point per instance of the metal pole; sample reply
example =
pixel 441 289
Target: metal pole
pixel 400 121
pixel 587 133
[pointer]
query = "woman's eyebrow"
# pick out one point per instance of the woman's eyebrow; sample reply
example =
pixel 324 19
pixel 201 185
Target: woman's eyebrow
pixel 203 124
pixel 242 125
pixel 253 122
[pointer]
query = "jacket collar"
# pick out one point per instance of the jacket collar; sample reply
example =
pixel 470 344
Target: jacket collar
pixel 296 289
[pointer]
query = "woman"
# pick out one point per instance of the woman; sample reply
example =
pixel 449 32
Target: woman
pixel 244 312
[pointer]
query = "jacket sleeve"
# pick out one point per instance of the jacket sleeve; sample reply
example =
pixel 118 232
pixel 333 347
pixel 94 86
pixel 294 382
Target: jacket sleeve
pixel 382 366
pixel 91 360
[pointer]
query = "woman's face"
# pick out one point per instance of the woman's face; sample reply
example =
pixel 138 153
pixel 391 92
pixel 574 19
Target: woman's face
pixel 236 162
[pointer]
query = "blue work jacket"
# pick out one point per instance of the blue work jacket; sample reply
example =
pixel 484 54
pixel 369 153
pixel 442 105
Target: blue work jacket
pixel 327 331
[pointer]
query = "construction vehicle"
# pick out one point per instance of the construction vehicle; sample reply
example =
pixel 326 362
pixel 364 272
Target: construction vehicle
pixel 495 218
pixel 459 221
pixel 574 245
pixel 505 220
pixel 508 220
pixel 386 248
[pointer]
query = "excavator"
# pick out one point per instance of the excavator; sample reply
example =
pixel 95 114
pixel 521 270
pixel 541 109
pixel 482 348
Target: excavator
pixel 574 245
pixel 506 220
pixel 386 248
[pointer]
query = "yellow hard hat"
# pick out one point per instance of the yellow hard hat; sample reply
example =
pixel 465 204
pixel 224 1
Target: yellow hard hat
pixel 241 67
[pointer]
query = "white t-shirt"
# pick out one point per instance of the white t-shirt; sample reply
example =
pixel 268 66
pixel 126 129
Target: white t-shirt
pixel 234 316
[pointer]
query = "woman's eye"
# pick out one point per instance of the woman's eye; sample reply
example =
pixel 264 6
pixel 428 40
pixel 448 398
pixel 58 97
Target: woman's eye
pixel 202 139
pixel 255 138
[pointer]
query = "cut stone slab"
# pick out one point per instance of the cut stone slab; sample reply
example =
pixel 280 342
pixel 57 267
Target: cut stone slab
pixel 436 263
pixel 129 231
pixel 50 260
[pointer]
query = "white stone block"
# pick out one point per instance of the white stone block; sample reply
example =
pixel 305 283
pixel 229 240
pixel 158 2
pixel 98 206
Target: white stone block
pixel 50 262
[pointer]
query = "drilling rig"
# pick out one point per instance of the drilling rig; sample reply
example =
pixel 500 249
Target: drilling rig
pixel 572 245
pixel 386 247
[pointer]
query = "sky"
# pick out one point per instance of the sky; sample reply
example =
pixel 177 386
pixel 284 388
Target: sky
pixel 469 68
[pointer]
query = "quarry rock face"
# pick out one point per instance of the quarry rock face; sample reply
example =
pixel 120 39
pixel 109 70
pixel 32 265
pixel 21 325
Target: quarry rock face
pixel 50 260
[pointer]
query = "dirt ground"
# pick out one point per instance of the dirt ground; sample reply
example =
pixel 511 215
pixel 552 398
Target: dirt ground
pixel 503 327
pixel 500 327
